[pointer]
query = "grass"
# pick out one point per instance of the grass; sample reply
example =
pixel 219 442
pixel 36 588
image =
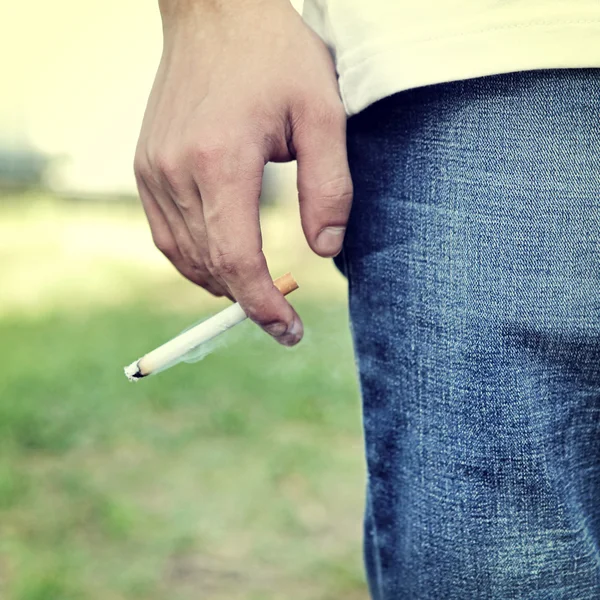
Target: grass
pixel 238 478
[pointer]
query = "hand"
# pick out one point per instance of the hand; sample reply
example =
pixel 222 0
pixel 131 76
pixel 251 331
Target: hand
pixel 234 90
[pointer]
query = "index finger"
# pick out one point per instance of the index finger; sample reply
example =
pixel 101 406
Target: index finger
pixel 231 214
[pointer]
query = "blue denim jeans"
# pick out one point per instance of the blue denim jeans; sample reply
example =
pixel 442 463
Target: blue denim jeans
pixel 473 260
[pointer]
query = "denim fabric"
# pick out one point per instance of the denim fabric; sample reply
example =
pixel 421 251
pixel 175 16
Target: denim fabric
pixel 473 259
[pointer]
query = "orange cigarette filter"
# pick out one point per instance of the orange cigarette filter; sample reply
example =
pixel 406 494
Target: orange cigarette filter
pixel 286 284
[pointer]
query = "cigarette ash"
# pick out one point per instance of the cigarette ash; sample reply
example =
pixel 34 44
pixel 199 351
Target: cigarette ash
pixel 132 372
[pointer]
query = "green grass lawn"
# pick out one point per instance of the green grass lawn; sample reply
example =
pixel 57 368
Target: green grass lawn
pixel 238 477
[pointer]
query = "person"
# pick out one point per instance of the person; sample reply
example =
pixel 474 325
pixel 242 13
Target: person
pixel 472 252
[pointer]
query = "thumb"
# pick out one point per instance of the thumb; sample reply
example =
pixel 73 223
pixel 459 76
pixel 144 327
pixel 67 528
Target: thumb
pixel 324 183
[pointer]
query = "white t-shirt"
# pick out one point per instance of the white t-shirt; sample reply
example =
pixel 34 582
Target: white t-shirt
pixel 385 46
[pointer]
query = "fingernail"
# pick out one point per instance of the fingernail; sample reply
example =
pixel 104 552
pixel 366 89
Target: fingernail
pixel 329 241
pixel 296 329
pixel 293 335
pixel 276 329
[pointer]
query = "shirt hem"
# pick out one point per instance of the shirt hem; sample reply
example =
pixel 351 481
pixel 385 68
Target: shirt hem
pixel 378 72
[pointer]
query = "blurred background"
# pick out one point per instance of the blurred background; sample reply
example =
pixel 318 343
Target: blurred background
pixel 238 477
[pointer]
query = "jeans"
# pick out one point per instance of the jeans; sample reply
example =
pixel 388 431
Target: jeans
pixel 473 261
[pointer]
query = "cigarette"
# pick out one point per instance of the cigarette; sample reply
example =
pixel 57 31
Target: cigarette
pixel 172 352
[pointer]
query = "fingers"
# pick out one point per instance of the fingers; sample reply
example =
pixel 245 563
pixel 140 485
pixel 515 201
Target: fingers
pixel 172 238
pixel 189 204
pixel 230 188
pixel 324 183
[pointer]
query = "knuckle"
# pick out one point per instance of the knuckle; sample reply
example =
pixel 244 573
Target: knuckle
pixel 194 260
pixel 226 264
pixel 331 196
pixel 168 168
pixel 185 202
pixel 211 268
pixel 141 168
pixel 208 157
pixel 165 243
pixel 335 193
pixel 233 264
pixel 151 173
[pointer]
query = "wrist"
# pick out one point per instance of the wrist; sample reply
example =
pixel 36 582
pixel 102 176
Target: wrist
pixel 175 10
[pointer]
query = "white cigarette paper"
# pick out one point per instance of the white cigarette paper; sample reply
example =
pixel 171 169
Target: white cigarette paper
pixel 173 351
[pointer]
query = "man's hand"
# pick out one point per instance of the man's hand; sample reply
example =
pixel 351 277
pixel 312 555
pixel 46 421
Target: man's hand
pixel 240 83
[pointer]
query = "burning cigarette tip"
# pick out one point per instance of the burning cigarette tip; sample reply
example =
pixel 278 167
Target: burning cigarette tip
pixel 132 372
